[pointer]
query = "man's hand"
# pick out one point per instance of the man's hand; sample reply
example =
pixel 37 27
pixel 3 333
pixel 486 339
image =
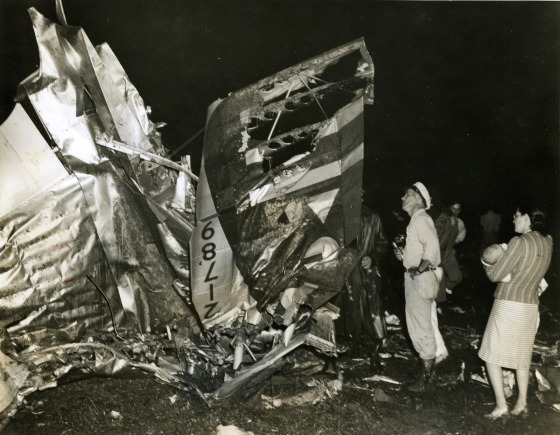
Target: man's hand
pixel 415 271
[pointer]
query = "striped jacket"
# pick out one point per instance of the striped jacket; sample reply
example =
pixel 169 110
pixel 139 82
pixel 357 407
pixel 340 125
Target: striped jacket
pixel 527 258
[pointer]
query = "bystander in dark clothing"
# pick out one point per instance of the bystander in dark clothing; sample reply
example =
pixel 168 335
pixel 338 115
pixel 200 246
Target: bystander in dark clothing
pixel 447 230
pixel 490 223
pixel 462 230
pixel 394 225
pixel 362 321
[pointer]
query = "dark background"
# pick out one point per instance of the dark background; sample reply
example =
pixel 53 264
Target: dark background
pixel 466 93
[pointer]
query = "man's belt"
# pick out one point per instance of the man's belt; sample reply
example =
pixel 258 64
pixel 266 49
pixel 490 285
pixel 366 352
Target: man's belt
pixel 413 271
pixel 417 272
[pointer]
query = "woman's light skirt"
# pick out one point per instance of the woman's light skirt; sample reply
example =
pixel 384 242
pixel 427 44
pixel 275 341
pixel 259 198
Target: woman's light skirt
pixel 510 334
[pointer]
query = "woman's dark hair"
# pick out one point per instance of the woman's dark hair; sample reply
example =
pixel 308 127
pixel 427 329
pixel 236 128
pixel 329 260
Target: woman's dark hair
pixel 537 217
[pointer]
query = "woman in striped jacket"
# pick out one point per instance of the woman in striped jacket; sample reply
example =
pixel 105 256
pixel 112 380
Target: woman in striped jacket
pixel 510 333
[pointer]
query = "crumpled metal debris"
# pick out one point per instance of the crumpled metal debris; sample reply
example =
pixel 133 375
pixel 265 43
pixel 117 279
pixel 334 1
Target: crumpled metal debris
pixel 381 378
pixel 278 202
pixel 95 212
pixel 508 380
pixel 317 391
pixel 92 238
pixel 97 271
pixel 548 372
pixel 14 376
pixel 548 381
pixel 231 429
pixel 547 355
pixel 392 319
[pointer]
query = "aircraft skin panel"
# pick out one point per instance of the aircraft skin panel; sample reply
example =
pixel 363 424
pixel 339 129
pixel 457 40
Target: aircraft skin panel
pixel 81 93
pixel 269 149
pixel 27 168
pixel 97 237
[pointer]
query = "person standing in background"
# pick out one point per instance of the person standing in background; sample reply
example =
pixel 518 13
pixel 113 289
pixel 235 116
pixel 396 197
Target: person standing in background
pixel 490 223
pixel 446 229
pixel 362 322
pixel 461 229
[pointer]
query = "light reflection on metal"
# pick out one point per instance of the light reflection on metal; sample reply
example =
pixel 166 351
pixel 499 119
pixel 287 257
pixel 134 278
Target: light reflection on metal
pixel 27 169
pixel 276 213
pixel 97 241
pixel 84 217
pixel 144 155
pixel 247 208
pixel 95 99
pixel 60 13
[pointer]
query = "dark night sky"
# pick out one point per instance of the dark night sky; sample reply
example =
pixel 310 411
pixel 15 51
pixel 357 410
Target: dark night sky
pixel 467 93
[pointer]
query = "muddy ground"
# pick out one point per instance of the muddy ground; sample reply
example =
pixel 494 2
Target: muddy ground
pixel 303 399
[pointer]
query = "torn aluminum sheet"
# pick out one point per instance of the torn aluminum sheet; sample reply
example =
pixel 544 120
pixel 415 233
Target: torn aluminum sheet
pixel 278 202
pixel 548 381
pixel 81 93
pixel 48 242
pixel 39 367
pixel 91 238
pixel 318 391
pixel 257 222
pixel 13 378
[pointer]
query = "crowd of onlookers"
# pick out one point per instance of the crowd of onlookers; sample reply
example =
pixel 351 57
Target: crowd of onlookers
pixel 425 263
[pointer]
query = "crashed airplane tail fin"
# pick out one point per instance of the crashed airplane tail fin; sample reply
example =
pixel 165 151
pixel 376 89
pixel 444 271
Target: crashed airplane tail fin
pixel 278 204
pixel 282 168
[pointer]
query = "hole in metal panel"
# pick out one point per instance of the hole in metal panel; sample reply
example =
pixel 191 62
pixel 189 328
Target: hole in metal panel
pixel 290 105
pixel 288 139
pixel 253 123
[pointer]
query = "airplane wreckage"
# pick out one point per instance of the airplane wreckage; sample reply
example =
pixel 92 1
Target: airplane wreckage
pixel 114 256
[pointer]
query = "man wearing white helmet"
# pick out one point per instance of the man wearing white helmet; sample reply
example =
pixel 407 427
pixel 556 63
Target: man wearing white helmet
pixel 420 257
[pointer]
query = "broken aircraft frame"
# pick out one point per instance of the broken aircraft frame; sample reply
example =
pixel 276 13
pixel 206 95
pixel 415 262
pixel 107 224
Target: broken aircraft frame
pixel 106 261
